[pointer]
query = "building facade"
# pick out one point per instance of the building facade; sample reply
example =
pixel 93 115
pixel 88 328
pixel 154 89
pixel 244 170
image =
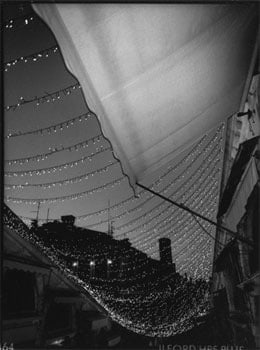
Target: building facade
pixel 236 276
pixel 41 305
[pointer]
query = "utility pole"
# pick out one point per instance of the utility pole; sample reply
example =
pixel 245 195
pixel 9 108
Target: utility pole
pixel 108 219
pixel 47 220
pixel 37 211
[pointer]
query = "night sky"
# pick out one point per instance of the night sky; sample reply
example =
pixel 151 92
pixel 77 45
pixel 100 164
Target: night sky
pixel 193 181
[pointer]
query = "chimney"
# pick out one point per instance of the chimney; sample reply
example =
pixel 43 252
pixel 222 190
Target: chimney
pixel 166 254
pixel 68 219
pixel 165 250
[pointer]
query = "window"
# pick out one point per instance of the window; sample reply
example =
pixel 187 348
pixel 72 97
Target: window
pixel 18 294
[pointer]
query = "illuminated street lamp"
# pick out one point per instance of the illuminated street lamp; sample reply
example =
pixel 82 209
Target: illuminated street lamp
pixel 109 263
pixel 75 264
pixel 92 268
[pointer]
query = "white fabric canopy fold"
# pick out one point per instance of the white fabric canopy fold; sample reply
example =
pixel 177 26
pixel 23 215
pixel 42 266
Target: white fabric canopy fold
pixel 157 76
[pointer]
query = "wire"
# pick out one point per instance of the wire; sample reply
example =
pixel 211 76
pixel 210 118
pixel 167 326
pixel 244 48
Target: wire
pixel 48 97
pixel 50 128
pixel 203 228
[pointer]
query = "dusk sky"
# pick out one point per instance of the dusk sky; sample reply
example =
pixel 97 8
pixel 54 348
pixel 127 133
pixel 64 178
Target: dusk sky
pixel 191 178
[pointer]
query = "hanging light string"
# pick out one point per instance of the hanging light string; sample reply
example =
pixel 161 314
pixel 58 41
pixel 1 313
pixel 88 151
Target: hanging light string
pixel 134 262
pixel 47 97
pixel 179 257
pixel 180 225
pixel 174 218
pixel 34 57
pixel 43 156
pixel 159 219
pixel 210 201
pixel 201 169
pixel 19 22
pixel 177 240
pixel 174 232
pixel 184 226
pixel 182 232
pixel 177 219
pixel 188 158
pixel 98 278
pixel 127 312
pixel 68 197
pixel 195 254
pixel 183 187
pixel 188 243
pixel 48 251
pixel 178 230
pixel 189 186
pixel 131 263
pixel 51 128
pixel 135 307
pixel 61 182
pixel 200 259
pixel 53 169
pixel 166 188
pixel 191 157
pixel 204 229
pixel 98 257
pixel 176 222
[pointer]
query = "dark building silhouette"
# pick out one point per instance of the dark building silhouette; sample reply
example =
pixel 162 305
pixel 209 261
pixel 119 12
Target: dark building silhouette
pixel 96 254
pixel 166 253
pixel 165 250
pixel 41 307
pixel 68 219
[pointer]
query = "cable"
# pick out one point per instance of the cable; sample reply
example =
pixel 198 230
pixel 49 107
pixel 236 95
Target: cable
pixel 48 97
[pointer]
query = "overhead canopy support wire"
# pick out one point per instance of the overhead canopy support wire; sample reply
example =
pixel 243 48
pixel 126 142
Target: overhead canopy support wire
pixel 234 234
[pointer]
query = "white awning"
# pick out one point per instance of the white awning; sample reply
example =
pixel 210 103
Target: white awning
pixel 158 77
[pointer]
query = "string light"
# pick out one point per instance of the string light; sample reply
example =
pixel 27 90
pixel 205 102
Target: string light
pixel 206 203
pixel 43 156
pixel 52 128
pixel 69 197
pixel 185 231
pixel 143 192
pixel 210 201
pixel 53 169
pixel 62 182
pixel 19 22
pixel 32 57
pixel 95 255
pixel 199 171
pixel 213 142
pixel 189 157
pixel 173 310
pixel 49 97
pixel 175 217
pixel 174 181
pixel 184 188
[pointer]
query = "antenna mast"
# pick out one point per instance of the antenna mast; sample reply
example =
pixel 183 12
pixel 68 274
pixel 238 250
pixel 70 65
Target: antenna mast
pixel 108 219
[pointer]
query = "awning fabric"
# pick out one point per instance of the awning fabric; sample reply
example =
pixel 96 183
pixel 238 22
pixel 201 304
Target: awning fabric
pixel 157 76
